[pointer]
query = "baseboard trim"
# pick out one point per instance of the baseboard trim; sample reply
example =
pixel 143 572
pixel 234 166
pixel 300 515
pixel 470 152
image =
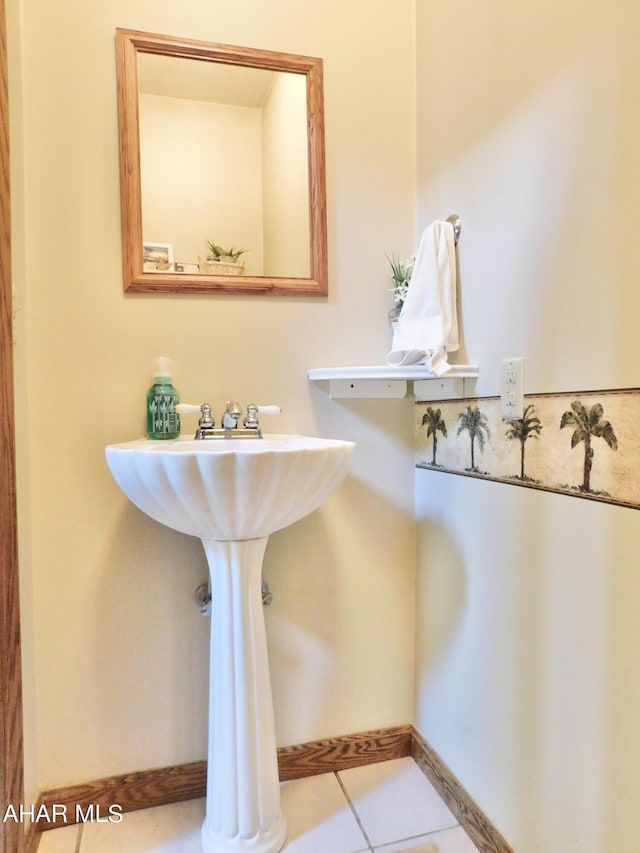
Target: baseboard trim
pixel 148 788
pixel 470 816
pixel 333 754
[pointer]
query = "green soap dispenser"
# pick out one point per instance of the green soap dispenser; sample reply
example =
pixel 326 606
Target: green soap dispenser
pixel 162 398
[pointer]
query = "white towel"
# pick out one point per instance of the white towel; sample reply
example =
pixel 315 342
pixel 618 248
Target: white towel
pixel 427 327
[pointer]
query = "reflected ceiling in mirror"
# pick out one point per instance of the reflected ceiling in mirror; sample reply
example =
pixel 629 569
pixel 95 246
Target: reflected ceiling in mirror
pixel 222 151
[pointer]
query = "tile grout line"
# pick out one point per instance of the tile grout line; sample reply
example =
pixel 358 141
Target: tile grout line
pixel 353 811
pixel 422 836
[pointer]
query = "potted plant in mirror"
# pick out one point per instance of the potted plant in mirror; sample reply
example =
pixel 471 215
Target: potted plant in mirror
pixel 221 261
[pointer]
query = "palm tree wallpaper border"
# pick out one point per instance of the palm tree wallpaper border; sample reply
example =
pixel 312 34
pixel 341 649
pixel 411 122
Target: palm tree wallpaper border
pixel 584 444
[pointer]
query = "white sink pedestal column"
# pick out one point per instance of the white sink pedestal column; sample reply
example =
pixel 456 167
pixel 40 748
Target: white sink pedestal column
pixel 243 788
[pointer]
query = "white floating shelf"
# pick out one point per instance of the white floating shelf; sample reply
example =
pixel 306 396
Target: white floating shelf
pixel 386 371
pixel 391 381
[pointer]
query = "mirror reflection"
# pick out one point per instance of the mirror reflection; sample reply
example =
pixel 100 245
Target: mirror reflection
pixel 222 168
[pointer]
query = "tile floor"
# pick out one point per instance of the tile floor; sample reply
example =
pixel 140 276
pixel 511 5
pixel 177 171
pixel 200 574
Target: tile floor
pixel 383 808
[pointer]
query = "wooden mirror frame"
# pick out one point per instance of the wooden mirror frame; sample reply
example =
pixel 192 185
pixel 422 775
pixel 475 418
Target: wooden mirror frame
pixel 131 42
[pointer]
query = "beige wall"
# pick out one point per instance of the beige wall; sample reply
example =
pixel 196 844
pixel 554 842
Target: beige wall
pixel 527 621
pixel 285 178
pixel 201 177
pixel 118 648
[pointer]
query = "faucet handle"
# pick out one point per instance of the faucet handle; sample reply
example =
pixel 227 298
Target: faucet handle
pixel 187 408
pixel 206 421
pixel 251 421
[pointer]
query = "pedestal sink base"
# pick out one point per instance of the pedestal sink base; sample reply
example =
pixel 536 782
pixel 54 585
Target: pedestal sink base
pixel 243 788
pixel 271 841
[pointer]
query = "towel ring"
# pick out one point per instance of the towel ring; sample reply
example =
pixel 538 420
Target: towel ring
pixel 455 220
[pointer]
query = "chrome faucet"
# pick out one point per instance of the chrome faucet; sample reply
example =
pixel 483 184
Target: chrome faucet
pixel 229 422
pixel 232 415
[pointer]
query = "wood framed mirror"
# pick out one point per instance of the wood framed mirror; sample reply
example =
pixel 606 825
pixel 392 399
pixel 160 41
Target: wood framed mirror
pixel 221 151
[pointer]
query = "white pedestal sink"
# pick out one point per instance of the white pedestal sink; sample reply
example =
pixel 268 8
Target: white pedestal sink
pixel 233 494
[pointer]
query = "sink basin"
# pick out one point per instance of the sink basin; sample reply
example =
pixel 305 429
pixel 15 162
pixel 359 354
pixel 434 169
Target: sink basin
pixel 229 488
pixel 232 494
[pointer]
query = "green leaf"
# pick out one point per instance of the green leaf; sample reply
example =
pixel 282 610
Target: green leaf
pixel 595 414
pixel 576 438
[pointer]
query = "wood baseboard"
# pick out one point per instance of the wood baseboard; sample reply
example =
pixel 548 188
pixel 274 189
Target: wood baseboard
pixel 470 816
pixel 148 788
pixel 333 754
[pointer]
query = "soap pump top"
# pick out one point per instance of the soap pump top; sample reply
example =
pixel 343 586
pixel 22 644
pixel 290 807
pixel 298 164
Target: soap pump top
pixel 162 371
pixel 162 398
